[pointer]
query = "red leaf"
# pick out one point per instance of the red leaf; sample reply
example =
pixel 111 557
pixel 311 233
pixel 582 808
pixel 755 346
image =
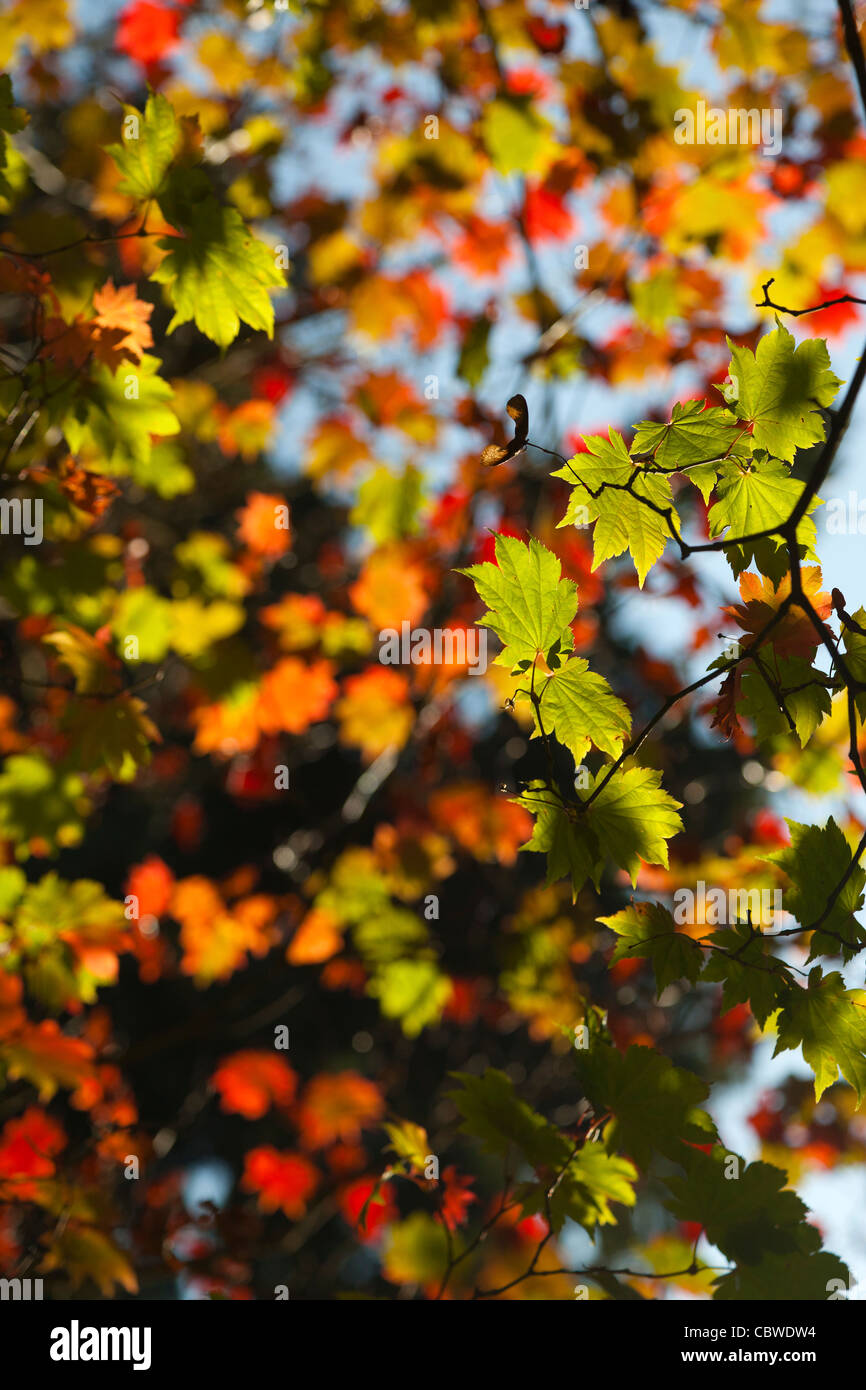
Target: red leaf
pixel 147 31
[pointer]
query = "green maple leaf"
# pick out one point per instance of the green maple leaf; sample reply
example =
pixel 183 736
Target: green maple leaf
pixel 579 708
pixel 749 1214
pixel 807 706
pixel 607 461
pixel 779 389
pixel 388 504
pixel 115 735
pixel 634 818
pixel 752 499
pixel 218 275
pixel 648 930
pixel 631 819
pixel 413 991
pixel 390 933
pixel 566 838
pixel 855 657
pixel 54 906
pixel 584 1191
pixel 164 471
pixel 654 1104
pixel 39 801
pixel 529 604
pixel 748 975
pixel 13 886
pixel 516 137
pixel 144 613
pixel 418 1245
pixel 829 1023
pixel 622 521
pixel 577 1186
pixel 149 146
pixel 120 412
pixel 694 435
pixel 815 863
pixel 12 119
pixel 494 1113
pixel 798 1277
pixel 474 351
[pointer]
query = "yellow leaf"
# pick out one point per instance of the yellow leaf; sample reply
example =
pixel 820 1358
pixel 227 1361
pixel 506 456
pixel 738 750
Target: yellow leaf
pixel 83 1252
pixel 87 659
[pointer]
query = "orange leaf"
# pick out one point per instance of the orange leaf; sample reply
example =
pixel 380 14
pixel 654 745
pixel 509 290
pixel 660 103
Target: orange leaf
pixel 338 1107
pixel 41 1054
pixel 120 327
pixel 264 525
pixel 284 1181
pixel 231 726
pixel 794 635
pixel 334 449
pixel 246 430
pixel 317 939
pixel 375 712
pixel 485 247
pixel 250 1082
pixel 297 620
pixel 490 827
pixel 151 882
pixel 392 587
pixel 294 695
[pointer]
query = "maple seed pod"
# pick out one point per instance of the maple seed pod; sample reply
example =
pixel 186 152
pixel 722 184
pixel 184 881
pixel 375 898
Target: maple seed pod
pixel 498 453
pixel 493 454
pixel 519 412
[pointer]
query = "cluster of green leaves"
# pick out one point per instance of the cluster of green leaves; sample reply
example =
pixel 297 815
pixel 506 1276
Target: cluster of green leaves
pixel 121 419
pixel 39 922
pixel 216 273
pixel 648 1119
pixel 575 1182
pixel 739 456
pixel 393 941
pixel 627 816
